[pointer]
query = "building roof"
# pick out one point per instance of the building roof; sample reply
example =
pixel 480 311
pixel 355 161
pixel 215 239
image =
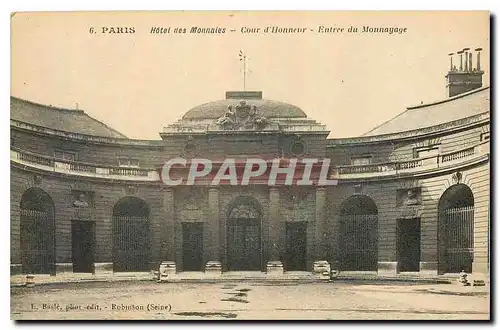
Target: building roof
pixel 437 113
pixel 68 120
pixel 266 108
pixel 280 116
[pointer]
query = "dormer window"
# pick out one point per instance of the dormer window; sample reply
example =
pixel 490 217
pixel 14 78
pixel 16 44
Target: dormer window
pixel 361 160
pixel 424 152
pixel 128 162
pixel 485 136
pixel 65 155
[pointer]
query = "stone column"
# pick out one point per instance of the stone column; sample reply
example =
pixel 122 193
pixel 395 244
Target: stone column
pixel 213 265
pixel 168 267
pixel 320 252
pixel 274 264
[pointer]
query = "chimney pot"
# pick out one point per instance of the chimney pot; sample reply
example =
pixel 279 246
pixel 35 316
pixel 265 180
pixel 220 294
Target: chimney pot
pixel 451 61
pixel 461 59
pixel 478 65
pixel 466 62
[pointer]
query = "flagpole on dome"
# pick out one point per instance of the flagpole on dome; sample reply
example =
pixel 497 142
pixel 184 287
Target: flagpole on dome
pixel 243 58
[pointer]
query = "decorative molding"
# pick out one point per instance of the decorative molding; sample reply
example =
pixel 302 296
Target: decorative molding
pixel 410 213
pixel 409 197
pixel 485 129
pixel 358 189
pixel 82 199
pixel 192 199
pixel 427 143
pixel 297 142
pixel 191 147
pixel 242 116
pixel 37 180
pixel 81 186
pixel 130 190
pixel 457 177
pixel 409 184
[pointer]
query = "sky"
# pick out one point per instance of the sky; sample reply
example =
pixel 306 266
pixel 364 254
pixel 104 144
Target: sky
pixel 140 82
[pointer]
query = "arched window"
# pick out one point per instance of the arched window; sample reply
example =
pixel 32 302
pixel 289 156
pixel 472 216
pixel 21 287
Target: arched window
pixel 37 232
pixel 244 249
pixel 456 230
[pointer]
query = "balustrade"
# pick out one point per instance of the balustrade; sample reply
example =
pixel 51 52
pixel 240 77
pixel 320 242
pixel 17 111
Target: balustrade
pixel 391 168
pixel 72 166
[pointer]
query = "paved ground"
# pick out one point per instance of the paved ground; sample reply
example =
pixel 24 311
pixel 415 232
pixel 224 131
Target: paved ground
pixel 335 301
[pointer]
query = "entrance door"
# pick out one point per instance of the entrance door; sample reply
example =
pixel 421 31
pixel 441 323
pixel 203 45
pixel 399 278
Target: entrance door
pixel 131 235
pixel 192 246
pixel 296 239
pixel 82 237
pixel 244 244
pixel 408 245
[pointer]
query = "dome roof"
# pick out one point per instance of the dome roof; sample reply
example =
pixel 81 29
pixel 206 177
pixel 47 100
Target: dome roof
pixel 266 108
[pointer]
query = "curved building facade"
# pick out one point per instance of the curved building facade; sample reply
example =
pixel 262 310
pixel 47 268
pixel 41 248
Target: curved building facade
pixel 411 196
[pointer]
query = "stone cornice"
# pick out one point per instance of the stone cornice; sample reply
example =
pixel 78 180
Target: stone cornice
pixel 44 131
pixel 446 128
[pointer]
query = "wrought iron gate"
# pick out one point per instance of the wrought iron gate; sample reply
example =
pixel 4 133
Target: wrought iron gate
pixel 358 243
pixel 459 239
pixel 37 242
pixel 244 244
pixel 131 243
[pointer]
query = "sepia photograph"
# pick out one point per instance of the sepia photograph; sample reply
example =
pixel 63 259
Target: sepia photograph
pixel 250 165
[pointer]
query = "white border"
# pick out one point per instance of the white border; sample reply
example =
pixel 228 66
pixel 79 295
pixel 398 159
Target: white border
pixel 91 5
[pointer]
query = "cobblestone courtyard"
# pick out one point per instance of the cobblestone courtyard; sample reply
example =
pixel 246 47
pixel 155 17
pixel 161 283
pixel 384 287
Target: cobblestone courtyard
pixel 323 301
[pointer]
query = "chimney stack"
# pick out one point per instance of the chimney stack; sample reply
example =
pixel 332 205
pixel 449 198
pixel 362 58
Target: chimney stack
pixel 466 78
pixel 466 65
pixel 451 61
pixel 461 60
pixel 478 50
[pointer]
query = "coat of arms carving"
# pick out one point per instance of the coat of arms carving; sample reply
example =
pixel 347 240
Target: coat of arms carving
pixel 242 116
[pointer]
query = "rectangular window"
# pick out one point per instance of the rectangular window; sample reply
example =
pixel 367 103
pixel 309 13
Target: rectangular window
pixel 360 161
pixel 485 136
pixel 424 152
pixel 128 162
pixel 65 155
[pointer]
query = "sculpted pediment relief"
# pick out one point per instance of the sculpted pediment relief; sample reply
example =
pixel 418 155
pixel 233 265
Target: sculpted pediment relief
pixel 242 116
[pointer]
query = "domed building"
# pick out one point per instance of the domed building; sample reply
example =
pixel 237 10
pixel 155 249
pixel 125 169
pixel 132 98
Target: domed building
pixel 410 196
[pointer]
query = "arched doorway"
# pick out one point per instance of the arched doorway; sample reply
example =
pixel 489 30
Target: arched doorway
pixel 358 234
pixel 456 230
pixel 37 232
pixel 244 217
pixel 131 235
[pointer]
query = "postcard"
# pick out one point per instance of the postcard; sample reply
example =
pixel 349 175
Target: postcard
pixel 250 165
